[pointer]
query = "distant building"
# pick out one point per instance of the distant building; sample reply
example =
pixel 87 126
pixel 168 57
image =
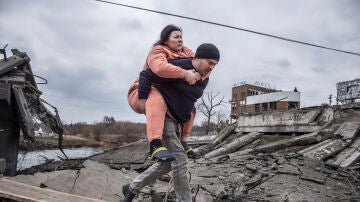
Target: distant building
pixel 248 98
pixel 348 91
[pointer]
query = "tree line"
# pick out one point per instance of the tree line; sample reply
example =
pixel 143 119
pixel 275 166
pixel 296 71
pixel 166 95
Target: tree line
pixel 208 106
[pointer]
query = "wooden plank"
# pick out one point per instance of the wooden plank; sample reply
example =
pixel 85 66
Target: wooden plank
pixel 27 193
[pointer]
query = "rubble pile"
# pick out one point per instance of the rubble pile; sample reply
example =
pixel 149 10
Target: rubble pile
pixel 316 159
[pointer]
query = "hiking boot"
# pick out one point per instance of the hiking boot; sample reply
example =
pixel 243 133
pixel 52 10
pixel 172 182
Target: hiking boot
pixel 128 194
pixel 159 153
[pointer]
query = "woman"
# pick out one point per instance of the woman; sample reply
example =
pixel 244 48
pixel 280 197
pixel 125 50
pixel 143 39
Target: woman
pixel 169 46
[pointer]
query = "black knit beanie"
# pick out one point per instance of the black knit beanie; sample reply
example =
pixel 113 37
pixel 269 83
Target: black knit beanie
pixel 207 51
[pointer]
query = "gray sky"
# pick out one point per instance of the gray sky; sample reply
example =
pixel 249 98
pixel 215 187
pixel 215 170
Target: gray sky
pixel 91 52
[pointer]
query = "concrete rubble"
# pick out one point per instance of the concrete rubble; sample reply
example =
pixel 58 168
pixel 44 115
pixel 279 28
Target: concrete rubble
pixel 245 162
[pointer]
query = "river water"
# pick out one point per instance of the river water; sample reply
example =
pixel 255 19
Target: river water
pixel 29 159
pixel 33 158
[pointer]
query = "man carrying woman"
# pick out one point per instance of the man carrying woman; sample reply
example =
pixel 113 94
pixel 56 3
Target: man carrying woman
pixel 170 46
pixel 179 97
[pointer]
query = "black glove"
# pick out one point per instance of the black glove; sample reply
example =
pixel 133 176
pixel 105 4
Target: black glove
pixel 190 152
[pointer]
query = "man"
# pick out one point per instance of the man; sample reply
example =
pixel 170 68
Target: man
pixel 180 98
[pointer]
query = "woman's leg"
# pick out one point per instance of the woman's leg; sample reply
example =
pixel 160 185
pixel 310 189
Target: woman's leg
pixel 134 101
pixel 155 110
pixel 155 117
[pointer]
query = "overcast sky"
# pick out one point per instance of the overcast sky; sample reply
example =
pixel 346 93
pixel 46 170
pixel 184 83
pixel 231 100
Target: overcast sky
pixel 91 52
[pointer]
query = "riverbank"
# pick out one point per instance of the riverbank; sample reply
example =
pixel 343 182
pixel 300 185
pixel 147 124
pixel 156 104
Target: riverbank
pixel 39 159
pixel 108 141
pixel 52 142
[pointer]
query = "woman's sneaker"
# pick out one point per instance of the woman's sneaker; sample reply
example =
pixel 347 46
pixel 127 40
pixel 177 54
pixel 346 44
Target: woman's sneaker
pixel 159 153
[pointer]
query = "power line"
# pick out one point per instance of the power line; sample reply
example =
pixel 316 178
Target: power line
pixel 231 27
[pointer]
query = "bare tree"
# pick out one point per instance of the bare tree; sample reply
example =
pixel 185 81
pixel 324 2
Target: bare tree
pixel 207 106
pixel 108 120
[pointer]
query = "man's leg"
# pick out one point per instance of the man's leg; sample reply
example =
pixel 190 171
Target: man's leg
pixel 149 175
pixel 179 166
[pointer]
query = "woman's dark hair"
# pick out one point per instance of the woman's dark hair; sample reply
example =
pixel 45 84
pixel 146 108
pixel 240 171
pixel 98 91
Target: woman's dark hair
pixel 165 34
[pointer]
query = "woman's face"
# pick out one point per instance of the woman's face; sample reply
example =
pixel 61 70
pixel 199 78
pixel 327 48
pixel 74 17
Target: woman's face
pixel 175 41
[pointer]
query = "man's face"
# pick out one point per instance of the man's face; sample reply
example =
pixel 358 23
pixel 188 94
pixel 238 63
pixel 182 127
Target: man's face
pixel 204 66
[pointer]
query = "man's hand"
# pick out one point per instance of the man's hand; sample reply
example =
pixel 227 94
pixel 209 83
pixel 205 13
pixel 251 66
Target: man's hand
pixel 189 151
pixel 192 76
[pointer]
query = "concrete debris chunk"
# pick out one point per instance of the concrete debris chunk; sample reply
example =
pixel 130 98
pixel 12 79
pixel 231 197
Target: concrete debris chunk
pixel 223 134
pixel 324 149
pixel 289 169
pixel 348 130
pixel 281 144
pixel 234 146
pixel 349 155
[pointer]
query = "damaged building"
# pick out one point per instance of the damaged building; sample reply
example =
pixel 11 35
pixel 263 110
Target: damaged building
pixel 258 97
pixel 348 91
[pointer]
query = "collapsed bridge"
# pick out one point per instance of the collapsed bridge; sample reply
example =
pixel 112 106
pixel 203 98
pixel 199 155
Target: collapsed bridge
pixel 21 108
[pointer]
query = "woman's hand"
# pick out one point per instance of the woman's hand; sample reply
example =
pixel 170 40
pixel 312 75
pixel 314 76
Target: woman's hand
pixel 192 76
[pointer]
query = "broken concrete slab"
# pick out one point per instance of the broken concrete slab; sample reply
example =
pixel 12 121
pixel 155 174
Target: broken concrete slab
pixel 237 178
pixel 281 144
pixel 214 190
pixel 280 129
pixel 348 130
pixel 95 180
pixel 63 182
pixel 239 154
pixel 223 134
pixel 326 115
pixel 205 148
pixel 276 118
pixel 324 149
pixel 203 197
pixel 195 180
pixel 288 169
pixel 281 188
pixel 105 183
pixel 235 145
pixel 349 155
pixel 134 153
